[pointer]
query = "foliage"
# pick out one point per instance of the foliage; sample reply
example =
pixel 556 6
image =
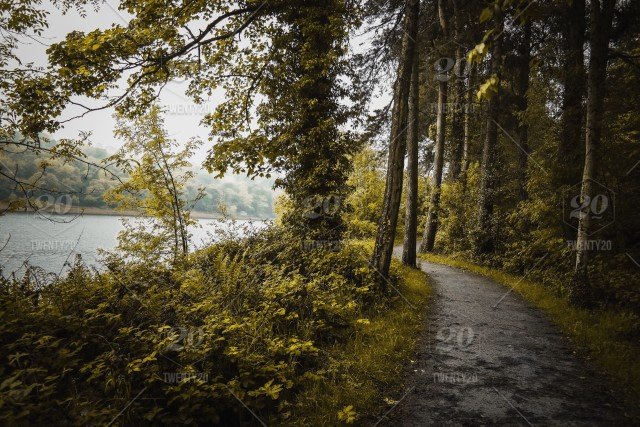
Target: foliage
pixel 21 22
pixel 365 201
pixel 284 107
pixel 300 121
pixel 530 236
pixel 458 203
pixel 368 370
pixel 158 173
pixel 243 320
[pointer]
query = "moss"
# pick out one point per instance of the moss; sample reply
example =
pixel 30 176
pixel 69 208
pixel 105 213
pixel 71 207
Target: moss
pixel 367 370
pixel 605 337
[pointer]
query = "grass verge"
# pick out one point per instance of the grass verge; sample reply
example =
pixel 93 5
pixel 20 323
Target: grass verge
pixel 605 336
pixel 368 370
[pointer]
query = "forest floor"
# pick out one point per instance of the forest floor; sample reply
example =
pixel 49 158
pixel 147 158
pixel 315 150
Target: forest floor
pixel 487 356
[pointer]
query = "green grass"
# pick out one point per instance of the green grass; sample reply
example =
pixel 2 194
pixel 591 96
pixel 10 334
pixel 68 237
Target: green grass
pixel 604 337
pixel 368 370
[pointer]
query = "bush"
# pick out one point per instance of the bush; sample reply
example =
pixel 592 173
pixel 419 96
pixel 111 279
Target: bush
pixel 240 324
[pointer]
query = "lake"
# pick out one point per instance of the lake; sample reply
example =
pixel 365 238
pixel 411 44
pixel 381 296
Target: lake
pixel 48 241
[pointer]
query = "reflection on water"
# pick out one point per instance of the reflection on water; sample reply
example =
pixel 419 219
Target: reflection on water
pixel 48 244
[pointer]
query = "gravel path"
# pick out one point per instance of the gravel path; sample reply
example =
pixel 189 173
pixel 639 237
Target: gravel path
pixel 488 357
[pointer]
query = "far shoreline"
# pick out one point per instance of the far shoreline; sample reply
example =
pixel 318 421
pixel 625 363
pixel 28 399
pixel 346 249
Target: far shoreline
pixel 75 211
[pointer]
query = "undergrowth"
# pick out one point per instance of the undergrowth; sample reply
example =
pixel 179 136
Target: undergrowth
pixel 367 370
pixel 246 331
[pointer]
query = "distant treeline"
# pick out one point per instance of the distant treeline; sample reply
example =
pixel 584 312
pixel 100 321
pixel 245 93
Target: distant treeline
pixel 81 186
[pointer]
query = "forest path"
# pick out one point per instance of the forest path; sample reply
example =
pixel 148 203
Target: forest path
pixel 487 356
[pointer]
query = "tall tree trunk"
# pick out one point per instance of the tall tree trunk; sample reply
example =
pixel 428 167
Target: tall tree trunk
pixel 483 239
pixel 601 18
pixel 457 117
pixel 573 76
pixel 315 180
pixel 411 218
pixel 524 53
pixel 431 227
pixel 386 233
pixel 467 121
pixel 569 156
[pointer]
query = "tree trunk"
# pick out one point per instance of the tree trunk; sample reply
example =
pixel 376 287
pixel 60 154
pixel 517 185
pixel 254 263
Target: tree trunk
pixel 457 116
pixel 524 52
pixel 317 162
pixel 383 250
pixel 601 18
pixel 467 122
pixel 431 227
pixel 569 157
pixel 573 76
pixel 411 218
pixel 483 239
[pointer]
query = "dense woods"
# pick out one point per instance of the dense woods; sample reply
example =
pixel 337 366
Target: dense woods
pixel 519 163
pixel 506 135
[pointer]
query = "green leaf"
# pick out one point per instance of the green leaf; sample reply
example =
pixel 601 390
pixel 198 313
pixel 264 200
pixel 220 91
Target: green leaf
pixel 347 414
pixel 486 14
pixel 488 88
pixel 477 53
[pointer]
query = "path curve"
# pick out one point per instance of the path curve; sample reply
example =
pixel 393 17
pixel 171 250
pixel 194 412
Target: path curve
pixel 508 365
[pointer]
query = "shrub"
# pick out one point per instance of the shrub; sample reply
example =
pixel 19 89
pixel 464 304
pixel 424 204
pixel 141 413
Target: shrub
pixel 240 324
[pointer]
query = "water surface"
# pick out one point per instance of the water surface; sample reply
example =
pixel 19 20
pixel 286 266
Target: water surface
pixel 48 241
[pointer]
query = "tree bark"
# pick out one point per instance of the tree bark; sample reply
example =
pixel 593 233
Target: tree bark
pixel 467 122
pixel 431 227
pixel 386 233
pixel 316 161
pixel 524 53
pixel 457 113
pixel 573 76
pixel 569 156
pixel 483 239
pixel 601 19
pixel 411 218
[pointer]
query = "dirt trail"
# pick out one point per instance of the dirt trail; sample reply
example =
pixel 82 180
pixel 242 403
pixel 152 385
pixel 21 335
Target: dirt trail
pixel 488 357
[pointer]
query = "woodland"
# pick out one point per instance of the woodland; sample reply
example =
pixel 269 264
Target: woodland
pixel 496 135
